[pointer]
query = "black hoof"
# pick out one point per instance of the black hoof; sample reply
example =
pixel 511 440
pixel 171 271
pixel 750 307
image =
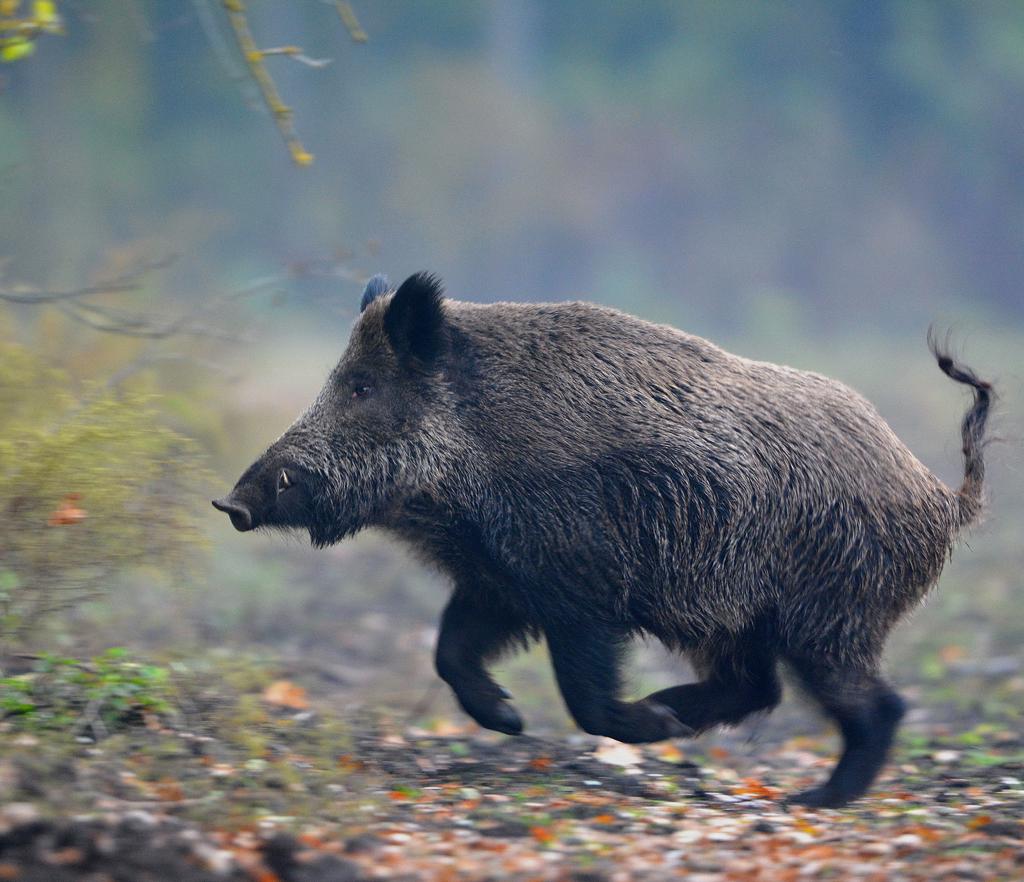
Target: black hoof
pixel 820 797
pixel 499 716
pixel 643 722
pixel 673 727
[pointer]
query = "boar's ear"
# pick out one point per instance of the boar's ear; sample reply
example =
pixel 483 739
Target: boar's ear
pixel 414 321
pixel 378 285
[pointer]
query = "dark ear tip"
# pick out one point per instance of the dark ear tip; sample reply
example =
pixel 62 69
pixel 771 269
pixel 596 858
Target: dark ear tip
pixel 415 317
pixel 425 284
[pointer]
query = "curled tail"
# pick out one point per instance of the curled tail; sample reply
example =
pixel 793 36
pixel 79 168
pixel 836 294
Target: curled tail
pixel 972 429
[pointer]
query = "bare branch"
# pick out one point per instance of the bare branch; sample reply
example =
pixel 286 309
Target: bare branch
pixel 348 18
pixel 253 57
pixel 195 322
pixel 222 51
pixel 296 54
pixel 128 281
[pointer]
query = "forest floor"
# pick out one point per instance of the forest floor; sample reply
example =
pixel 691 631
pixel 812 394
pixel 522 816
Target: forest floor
pixel 235 775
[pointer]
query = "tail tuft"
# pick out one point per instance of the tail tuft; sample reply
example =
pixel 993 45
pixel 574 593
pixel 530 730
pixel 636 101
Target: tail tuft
pixel 972 429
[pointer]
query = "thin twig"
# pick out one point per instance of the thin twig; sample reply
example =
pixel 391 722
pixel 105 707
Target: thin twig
pixel 34 656
pixel 425 703
pixel 296 54
pixel 159 803
pixel 348 18
pixel 127 281
pixel 209 22
pixel 90 718
pixel 253 57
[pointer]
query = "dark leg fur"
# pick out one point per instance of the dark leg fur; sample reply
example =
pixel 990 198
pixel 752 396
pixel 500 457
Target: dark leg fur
pixel 469 637
pixel 587 660
pixel 733 688
pixel 868 712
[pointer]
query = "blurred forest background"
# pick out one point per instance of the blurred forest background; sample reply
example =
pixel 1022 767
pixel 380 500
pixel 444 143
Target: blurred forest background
pixel 806 182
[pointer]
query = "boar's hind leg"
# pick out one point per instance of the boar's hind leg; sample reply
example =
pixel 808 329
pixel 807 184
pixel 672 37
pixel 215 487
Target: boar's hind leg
pixel 587 659
pixel 734 686
pixel 471 635
pixel 867 711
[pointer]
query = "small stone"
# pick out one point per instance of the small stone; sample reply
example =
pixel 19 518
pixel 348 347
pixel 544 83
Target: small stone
pixel 688 836
pixel 138 820
pixel 1003 828
pixel 362 844
pixel 908 840
pixel 216 859
pixel 17 813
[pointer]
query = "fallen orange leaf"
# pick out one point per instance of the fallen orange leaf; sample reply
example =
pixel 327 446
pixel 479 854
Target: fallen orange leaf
pixel 67 512
pixel 980 821
pixel 669 753
pixel 542 835
pixel 818 853
pixel 928 834
pixel 753 787
pixel 169 790
pixel 540 763
pixel 284 693
pixel 952 653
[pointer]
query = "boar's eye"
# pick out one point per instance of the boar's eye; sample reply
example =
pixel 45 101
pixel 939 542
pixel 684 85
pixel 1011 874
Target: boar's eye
pixel 284 481
pixel 360 391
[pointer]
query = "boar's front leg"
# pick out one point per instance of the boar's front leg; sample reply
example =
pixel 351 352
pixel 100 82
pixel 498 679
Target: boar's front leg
pixel 587 661
pixel 470 636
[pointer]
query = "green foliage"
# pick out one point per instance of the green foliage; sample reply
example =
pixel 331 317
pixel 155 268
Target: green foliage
pixel 18 32
pixel 65 694
pixel 94 484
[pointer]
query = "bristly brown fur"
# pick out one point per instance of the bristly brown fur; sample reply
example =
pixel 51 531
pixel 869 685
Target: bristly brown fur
pixel 586 476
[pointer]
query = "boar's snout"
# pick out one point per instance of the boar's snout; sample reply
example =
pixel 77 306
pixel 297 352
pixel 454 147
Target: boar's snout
pixel 241 516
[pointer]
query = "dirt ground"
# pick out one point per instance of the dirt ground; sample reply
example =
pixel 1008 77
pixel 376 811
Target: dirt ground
pixel 265 782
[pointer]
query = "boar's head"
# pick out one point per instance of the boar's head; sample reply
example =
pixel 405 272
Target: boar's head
pixel 379 431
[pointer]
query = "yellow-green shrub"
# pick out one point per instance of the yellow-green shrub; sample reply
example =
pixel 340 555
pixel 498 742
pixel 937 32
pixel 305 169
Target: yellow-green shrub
pixel 92 483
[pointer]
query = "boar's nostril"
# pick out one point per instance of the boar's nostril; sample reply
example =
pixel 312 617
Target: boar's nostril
pixel 241 517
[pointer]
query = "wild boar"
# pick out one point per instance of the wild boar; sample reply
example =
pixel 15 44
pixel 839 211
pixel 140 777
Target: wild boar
pixel 586 477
